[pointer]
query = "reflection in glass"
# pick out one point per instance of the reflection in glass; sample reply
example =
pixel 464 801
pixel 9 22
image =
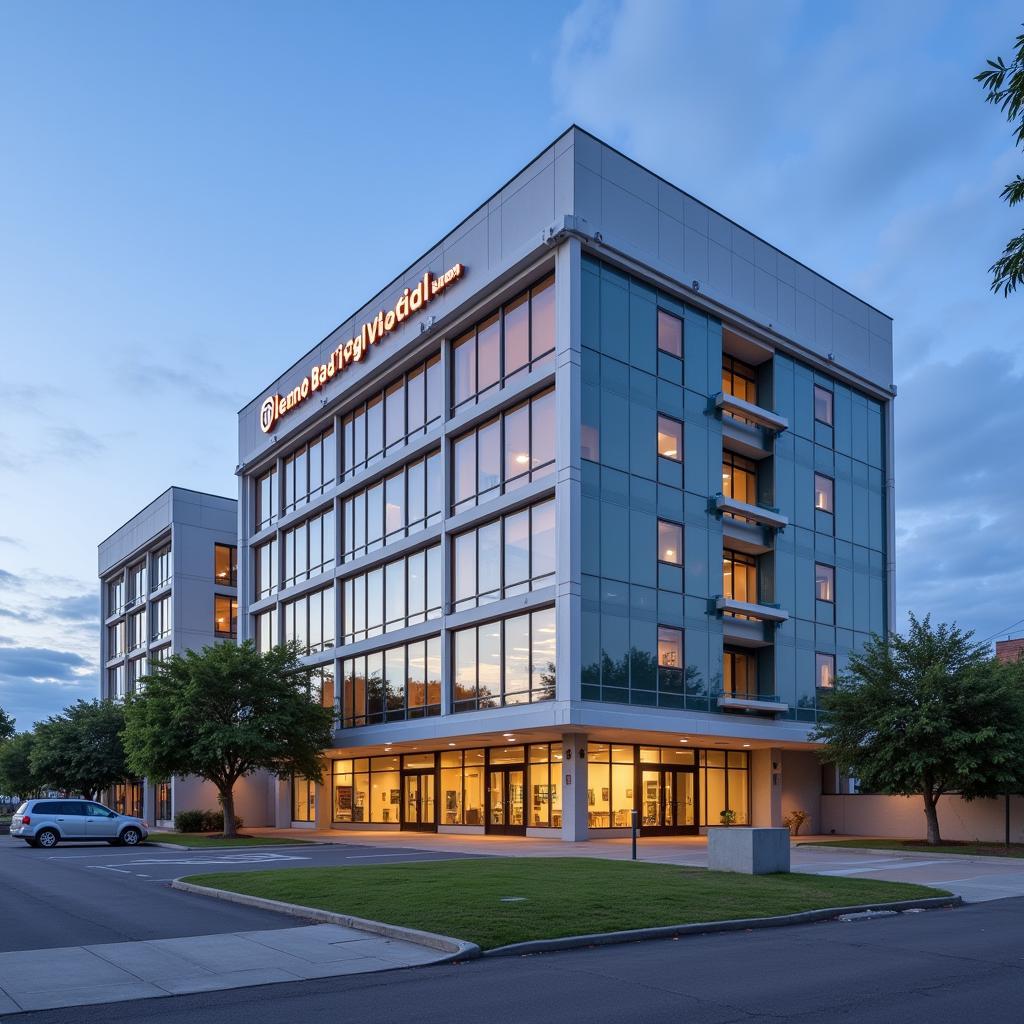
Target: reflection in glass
pixel 670 438
pixel 670 543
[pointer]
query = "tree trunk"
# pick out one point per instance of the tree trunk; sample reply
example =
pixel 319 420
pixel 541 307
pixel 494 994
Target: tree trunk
pixel 932 817
pixel 227 803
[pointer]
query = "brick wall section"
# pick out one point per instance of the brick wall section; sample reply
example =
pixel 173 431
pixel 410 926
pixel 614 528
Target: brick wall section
pixel 1010 650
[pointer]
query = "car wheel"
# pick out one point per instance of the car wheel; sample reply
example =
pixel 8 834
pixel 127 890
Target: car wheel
pixel 47 839
pixel 131 837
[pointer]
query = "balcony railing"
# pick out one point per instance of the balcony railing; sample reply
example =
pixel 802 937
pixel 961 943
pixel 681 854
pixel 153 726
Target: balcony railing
pixel 764 702
pixel 762 612
pixel 770 517
pixel 749 412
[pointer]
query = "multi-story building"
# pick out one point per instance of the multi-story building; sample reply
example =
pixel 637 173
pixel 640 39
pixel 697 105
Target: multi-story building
pixel 168 583
pixel 577 517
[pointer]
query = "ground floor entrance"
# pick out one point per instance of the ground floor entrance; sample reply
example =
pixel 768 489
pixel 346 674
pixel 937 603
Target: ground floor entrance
pixel 419 800
pixel 669 801
pixel 506 813
pixel 510 789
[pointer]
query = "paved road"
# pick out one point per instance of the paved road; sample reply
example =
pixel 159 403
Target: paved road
pixel 80 894
pixel 929 968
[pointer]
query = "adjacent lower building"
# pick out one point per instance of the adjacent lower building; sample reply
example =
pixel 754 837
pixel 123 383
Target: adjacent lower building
pixel 576 518
pixel 168 583
pixel 1010 649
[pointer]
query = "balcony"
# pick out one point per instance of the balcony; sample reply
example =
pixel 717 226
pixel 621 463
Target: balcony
pixel 737 407
pixel 747 428
pixel 761 612
pixel 769 517
pixel 755 703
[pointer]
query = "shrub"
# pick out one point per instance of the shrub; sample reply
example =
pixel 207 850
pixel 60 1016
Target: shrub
pixel 728 817
pixel 794 820
pixel 202 821
pixel 190 821
pixel 214 821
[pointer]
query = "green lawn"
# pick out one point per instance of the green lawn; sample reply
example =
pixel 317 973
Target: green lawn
pixel 557 896
pixel 919 846
pixel 205 840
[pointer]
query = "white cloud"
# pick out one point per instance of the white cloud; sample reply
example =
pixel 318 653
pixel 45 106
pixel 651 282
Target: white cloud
pixel 854 138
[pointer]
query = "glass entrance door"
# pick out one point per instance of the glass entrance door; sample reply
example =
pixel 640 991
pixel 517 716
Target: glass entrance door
pixel 506 812
pixel 668 801
pixel 418 807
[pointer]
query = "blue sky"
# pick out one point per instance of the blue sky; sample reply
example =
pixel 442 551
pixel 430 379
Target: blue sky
pixel 192 194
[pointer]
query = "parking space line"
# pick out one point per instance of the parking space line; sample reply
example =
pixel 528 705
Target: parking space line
pixel 107 867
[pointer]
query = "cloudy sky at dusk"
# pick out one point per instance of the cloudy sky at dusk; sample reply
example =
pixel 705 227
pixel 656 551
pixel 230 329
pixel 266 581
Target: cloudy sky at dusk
pixel 193 194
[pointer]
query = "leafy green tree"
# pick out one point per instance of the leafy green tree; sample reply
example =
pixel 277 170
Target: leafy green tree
pixel 225 713
pixel 7 729
pixel 16 775
pixel 926 714
pixel 80 750
pixel 1004 86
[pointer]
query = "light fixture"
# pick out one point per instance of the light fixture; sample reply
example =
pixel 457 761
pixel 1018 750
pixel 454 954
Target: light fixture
pixel 451 744
pixel 522 458
pixel 684 740
pixel 746 744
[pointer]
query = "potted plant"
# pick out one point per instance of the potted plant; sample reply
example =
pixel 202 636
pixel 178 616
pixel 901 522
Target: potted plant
pixel 728 817
pixel 794 820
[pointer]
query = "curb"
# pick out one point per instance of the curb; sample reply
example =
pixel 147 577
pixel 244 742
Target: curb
pixel 864 851
pixel 456 949
pixel 259 846
pixel 703 928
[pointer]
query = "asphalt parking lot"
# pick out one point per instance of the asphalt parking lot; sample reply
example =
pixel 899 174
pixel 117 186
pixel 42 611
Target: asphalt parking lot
pixel 81 894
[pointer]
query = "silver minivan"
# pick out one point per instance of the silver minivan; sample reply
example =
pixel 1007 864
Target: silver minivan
pixel 47 822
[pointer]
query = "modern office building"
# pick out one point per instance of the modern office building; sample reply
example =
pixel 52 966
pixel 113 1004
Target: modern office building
pixel 168 583
pixel 577 516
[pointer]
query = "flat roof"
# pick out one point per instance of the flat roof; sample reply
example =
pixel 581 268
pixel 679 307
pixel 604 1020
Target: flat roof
pixel 571 128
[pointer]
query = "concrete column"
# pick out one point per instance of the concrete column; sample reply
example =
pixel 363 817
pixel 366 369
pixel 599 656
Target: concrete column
pixel 282 803
pixel 148 802
pixel 766 788
pixel 568 500
pixel 324 798
pixel 574 787
pixel 447 584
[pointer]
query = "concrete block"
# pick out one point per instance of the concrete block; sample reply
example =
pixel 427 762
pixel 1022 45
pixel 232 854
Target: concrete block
pixel 749 851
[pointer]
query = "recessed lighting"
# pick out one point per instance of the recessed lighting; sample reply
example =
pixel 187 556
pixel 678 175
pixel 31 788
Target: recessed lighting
pixel 684 741
pixel 746 744
pixel 451 744
pixel 522 458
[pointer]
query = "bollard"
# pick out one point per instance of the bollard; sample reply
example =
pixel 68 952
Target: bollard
pixel 634 816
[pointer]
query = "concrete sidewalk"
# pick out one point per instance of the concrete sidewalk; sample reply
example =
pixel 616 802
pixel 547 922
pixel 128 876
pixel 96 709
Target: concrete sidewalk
pixel 78 975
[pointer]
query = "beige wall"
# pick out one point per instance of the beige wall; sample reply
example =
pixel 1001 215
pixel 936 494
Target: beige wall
pixel 801 787
pixel 252 798
pixel 903 817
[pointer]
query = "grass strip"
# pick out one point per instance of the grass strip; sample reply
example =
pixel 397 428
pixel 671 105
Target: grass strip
pixel 919 846
pixel 496 901
pixel 203 840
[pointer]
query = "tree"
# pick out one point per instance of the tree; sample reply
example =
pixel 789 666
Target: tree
pixel 16 775
pixel 927 714
pixel 224 713
pixel 7 728
pixel 1004 86
pixel 80 750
